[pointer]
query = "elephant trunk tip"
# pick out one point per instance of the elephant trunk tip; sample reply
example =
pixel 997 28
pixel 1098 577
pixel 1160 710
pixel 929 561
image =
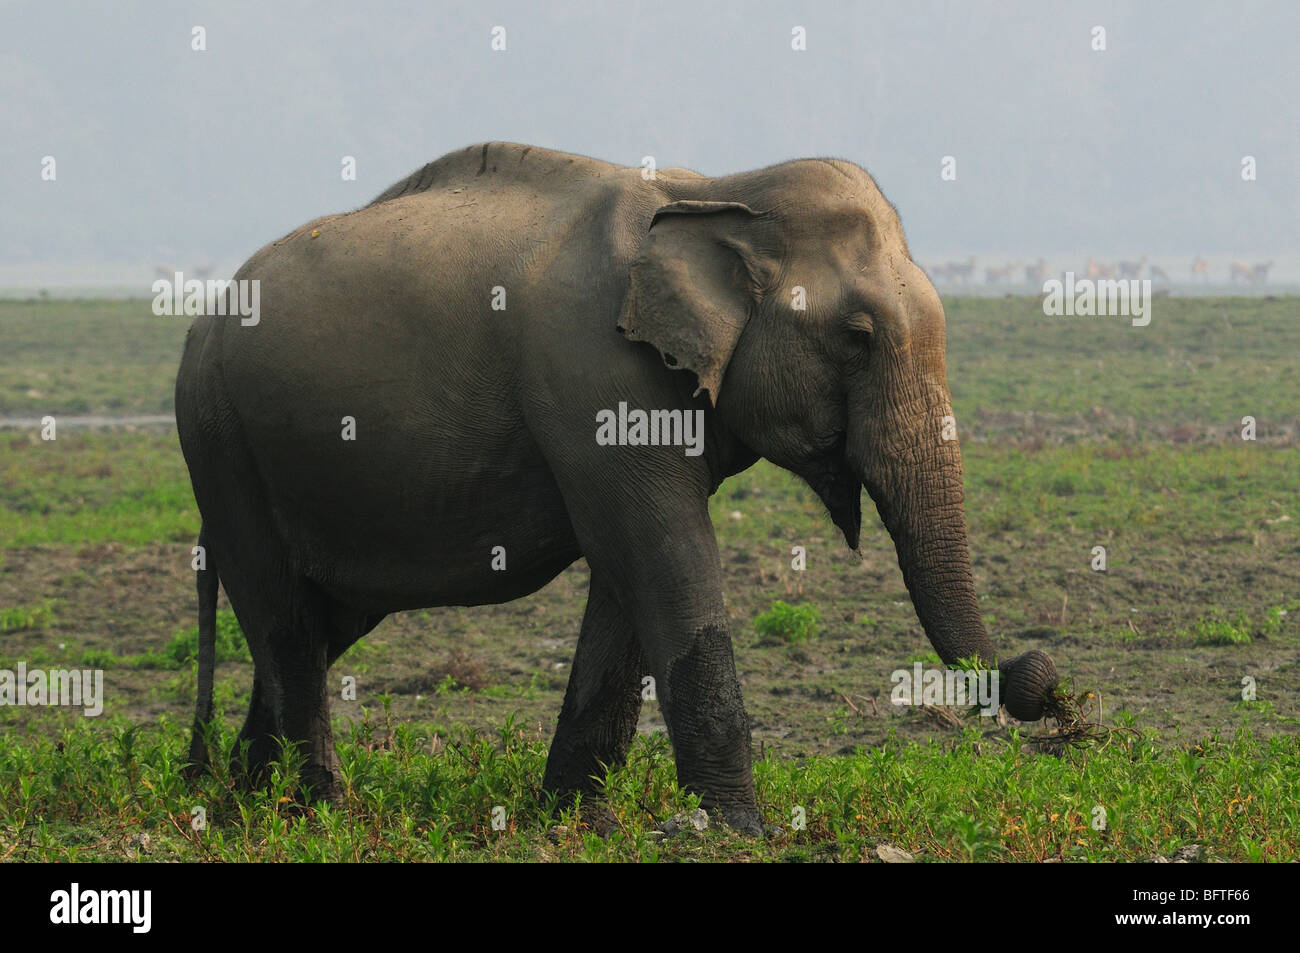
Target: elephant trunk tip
pixel 1033 690
pixel 1031 686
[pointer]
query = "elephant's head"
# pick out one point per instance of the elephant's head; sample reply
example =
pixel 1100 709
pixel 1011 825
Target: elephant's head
pixel 791 295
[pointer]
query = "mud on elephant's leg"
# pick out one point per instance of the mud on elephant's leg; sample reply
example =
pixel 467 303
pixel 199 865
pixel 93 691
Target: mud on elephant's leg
pixel 601 706
pixel 702 704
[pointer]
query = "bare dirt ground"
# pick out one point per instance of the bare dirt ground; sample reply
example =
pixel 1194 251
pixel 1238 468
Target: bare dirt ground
pixel 827 695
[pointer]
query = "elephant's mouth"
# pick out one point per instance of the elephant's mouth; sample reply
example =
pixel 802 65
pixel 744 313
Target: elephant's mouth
pixel 840 490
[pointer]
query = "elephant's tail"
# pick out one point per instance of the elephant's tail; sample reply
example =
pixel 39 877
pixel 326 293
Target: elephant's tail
pixel 206 583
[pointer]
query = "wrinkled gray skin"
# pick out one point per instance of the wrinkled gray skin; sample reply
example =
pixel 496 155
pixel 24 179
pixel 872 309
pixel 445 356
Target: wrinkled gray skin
pixel 475 428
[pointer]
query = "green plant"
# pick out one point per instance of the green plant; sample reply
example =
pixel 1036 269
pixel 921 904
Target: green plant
pixel 789 623
pixel 13 618
pixel 184 646
pixel 1273 619
pixel 1217 629
pixel 974 838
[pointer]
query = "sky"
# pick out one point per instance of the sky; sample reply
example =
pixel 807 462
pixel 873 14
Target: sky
pixel 168 155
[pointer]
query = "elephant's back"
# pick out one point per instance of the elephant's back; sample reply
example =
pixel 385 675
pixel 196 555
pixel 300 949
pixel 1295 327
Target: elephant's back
pixel 488 161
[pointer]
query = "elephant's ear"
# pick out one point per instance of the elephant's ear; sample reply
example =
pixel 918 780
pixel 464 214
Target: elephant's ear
pixel 693 285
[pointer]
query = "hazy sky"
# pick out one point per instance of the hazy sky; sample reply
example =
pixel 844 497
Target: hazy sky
pixel 169 155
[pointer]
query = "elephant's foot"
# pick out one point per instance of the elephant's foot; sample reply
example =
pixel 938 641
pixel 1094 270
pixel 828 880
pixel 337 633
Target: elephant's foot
pixel 594 812
pixel 318 772
pixel 317 778
pixel 598 816
pixel 741 817
pixel 319 783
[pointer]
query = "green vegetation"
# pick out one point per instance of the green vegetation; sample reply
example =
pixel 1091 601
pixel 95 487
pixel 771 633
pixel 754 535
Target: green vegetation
pixel 180 653
pixel 789 623
pixel 92 792
pixel 1233 490
pixel 87 487
pixel 13 618
pixel 1018 375
pixel 87 357
pixel 231 645
pixel 1218 630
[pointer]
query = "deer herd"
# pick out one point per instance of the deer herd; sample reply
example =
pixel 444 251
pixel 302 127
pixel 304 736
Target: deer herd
pixel 1035 273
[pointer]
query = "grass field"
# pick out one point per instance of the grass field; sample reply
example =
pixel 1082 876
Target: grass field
pixel 1076 433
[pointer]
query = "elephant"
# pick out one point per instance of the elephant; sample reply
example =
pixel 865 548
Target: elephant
pixel 478 327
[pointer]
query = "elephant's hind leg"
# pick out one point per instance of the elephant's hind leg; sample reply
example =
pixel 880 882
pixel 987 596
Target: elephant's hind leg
pixel 302 663
pixel 603 700
pixel 290 635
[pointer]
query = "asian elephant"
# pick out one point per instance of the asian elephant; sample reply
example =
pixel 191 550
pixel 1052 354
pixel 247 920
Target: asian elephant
pixel 447 382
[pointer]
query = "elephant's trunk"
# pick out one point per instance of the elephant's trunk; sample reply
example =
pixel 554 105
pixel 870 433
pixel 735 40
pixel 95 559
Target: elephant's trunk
pixel 910 464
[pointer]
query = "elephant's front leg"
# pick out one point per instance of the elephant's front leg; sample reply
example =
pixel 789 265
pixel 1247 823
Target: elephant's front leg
pixel 602 703
pixel 700 697
pixel 665 564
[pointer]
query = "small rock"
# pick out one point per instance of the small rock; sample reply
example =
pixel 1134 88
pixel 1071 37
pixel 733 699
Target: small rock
pixel 697 820
pixel 671 827
pixel 140 842
pixel 1190 854
pixel 893 855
